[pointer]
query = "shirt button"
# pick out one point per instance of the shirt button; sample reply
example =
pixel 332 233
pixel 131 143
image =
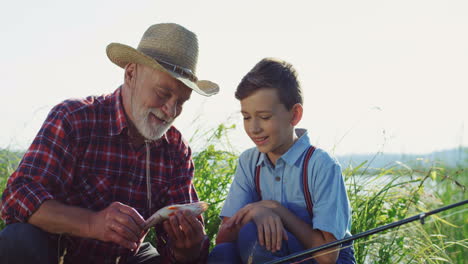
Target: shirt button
pixel 277 178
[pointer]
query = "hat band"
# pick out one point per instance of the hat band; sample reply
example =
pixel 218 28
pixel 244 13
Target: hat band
pixel 187 73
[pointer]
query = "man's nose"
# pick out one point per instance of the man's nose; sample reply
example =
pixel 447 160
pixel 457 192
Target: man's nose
pixel 170 108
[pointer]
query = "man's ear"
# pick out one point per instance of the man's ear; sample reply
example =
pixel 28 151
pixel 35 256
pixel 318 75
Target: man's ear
pixel 297 111
pixel 129 73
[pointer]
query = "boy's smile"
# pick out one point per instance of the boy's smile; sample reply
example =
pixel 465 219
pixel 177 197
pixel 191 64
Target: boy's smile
pixel 260 140
pixel 268 123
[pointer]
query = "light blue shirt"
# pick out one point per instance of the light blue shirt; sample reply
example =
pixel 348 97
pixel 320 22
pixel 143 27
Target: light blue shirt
pixel 283 183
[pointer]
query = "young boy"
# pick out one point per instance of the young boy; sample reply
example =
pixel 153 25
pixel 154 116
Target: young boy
pixel 286 195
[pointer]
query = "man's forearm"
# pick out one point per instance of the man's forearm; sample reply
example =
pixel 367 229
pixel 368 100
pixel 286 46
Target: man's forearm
pixel 56 217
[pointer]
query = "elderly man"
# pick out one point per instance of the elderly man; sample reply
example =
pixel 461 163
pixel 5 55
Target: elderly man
pixel 102 165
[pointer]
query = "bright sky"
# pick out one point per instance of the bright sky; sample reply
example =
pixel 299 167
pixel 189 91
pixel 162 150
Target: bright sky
pixel 373 72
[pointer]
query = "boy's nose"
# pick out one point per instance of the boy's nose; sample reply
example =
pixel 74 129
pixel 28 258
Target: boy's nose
pixel 255 128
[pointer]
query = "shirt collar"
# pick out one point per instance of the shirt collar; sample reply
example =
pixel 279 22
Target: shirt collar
pixel 295 151
pixel 261 158
pixel 119 122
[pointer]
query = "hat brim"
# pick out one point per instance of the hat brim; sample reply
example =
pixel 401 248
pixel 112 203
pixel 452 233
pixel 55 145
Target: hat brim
pixel 121 55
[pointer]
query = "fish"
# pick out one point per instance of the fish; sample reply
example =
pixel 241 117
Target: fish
pixel 164 213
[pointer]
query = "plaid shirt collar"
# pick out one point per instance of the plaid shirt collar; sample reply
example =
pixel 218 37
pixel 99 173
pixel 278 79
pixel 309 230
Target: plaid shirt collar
pixel 119 119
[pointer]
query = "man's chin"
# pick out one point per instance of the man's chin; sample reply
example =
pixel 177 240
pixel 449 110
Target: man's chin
pixel 156 135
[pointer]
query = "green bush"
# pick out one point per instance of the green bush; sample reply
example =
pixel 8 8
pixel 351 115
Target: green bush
pixel 213 176
pixel 8 162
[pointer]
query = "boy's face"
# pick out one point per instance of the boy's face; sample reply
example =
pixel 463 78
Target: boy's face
pixel 268 123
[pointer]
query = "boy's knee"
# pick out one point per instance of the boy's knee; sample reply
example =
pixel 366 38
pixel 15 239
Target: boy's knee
pixel 248 232
pixel 248 244
pixel 224 253
pixel 23 241
pixel 346 255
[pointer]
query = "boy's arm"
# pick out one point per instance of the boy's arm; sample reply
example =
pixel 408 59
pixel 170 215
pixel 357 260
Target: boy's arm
pixel 308 236
pixel 269 226
pixel 241 193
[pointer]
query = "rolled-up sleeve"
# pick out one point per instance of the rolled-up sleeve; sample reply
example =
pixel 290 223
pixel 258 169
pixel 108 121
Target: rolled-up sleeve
pixel 331 210
pixel 42 173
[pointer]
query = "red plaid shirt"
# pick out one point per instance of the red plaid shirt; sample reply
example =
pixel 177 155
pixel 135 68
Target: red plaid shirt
pixel 82 157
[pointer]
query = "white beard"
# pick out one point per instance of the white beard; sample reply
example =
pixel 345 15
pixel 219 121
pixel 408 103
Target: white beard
pixel 144 126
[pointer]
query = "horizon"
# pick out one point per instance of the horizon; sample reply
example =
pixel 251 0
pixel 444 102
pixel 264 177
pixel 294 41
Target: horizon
pixel 387 76
pixel 461 149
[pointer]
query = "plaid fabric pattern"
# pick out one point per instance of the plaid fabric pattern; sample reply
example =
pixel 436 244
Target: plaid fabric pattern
pixel 82 157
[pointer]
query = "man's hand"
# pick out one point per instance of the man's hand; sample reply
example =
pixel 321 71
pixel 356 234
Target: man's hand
pixel 117 223
pixel 186 233
pixel 269 225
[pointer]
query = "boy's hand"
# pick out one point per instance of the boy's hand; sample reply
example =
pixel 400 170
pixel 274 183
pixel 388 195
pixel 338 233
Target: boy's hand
pixel 244 215
pixel 269 225
pixel 269 204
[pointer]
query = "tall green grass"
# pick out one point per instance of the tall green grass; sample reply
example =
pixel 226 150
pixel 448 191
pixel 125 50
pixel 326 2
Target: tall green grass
pixel 214 170
pixel 378 196
pixel 8 162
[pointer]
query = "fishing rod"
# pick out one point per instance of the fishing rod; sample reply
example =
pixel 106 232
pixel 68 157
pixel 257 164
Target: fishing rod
pixel 419 217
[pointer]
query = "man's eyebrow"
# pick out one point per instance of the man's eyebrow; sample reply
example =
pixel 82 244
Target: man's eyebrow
pixel 165 88
pixel 162 88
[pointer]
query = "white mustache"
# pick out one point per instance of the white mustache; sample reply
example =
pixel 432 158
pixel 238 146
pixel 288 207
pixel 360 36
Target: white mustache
pixel 159 114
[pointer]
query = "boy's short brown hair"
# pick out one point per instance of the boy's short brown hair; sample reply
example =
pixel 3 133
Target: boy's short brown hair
pixel 274 74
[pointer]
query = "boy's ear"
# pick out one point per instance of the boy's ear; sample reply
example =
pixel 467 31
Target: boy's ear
pixel 297 111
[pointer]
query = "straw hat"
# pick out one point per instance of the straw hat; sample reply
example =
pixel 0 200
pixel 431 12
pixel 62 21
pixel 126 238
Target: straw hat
pixel 167 47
